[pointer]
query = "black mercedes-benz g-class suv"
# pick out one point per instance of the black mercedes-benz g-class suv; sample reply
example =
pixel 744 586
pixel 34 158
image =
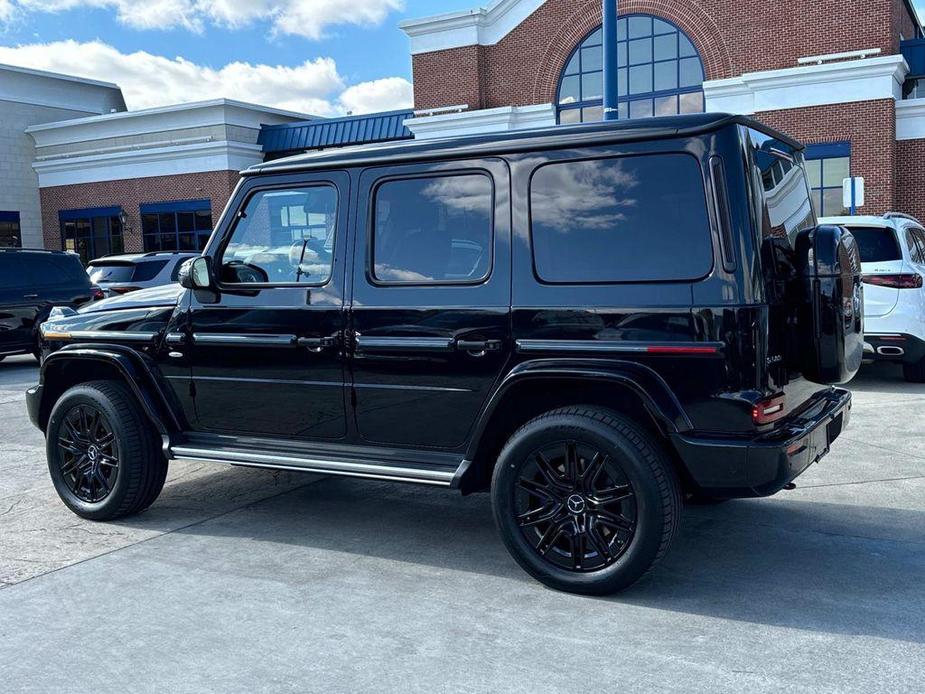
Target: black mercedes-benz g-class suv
pixel 591 322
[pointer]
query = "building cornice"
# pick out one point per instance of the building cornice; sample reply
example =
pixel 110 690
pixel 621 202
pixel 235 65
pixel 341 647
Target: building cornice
pixel 161 119
pixel 167 160
pixel 482 121
pixel 848 81
pixel 910 119
pixel 482 26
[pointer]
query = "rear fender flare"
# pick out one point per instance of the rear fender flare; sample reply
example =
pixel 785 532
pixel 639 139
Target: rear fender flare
pixel 658 399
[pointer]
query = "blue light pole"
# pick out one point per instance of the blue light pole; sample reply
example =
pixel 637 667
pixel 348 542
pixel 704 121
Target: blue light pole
pixel 610 59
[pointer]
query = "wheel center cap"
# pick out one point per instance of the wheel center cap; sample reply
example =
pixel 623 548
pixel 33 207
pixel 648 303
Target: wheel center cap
pixel 576 504
pixel 93 453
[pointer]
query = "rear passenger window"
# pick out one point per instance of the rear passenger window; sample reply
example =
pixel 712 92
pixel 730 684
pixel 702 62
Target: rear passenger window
pixel 915 251
pixel 628 219
pixel 433 230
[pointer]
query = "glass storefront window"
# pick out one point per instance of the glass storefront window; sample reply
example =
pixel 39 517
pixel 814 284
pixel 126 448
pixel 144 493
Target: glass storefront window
pixel 183 225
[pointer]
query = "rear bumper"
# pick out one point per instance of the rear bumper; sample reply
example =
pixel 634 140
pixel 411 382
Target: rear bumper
pixel 896 347
pixel 765 464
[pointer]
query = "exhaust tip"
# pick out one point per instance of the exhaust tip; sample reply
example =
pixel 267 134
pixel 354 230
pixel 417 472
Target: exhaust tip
pixel 890 351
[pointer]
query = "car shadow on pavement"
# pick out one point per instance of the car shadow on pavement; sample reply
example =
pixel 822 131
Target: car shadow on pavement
pixel 886 378
pixel 821 567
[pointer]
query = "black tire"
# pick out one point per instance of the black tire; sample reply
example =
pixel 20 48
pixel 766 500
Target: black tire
pixel 915 372
pixel 629 457
pixel 125 474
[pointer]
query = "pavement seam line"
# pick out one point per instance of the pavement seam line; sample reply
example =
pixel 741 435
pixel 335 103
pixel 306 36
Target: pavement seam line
pixel 164 534
pixel 843 484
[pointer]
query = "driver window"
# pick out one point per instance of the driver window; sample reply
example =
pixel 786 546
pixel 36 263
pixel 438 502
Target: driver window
pixel 283 237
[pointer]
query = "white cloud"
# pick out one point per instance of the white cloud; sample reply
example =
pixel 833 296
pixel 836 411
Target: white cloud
pixel 379 95
pixel 148 80
pixel 308 18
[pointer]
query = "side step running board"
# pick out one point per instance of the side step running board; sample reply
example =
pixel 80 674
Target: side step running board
pixel 420 474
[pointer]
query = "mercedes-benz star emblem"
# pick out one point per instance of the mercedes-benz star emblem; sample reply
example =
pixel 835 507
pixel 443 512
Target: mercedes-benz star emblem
pixel 576 504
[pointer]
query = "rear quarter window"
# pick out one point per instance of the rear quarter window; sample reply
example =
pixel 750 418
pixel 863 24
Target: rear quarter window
pixel 147 271
pixel 876 244
pixel 627 219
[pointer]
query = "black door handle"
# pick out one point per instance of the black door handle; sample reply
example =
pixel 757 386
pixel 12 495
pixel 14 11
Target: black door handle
pixel 478 345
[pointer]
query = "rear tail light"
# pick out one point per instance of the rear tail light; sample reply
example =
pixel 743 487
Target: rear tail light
pixel 123 290
pixel 769 410
pixel 908 280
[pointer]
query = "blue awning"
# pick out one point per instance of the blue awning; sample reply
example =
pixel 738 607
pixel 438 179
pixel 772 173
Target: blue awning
pixel 913 51
pixel 335 132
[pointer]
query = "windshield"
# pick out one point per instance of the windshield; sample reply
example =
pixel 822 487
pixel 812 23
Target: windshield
pixel 876 244
pixel 110 272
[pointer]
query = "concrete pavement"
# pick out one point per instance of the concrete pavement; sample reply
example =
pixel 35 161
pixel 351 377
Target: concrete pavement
pixel 244 581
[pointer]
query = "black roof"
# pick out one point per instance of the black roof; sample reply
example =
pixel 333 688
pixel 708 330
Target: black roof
pixel 559 136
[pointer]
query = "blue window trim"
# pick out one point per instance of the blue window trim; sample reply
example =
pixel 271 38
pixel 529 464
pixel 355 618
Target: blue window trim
pixel 9 217
pixel 820 152
pixel 828 150
pixel 88 213
pixel 624 99
pixel 176 206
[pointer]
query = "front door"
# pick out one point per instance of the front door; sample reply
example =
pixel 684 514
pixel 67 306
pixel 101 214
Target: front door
pixel 267 348
pixel 431 299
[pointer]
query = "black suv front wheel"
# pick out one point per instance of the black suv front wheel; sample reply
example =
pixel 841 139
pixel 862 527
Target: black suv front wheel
pixel 103 455
pixel 585 499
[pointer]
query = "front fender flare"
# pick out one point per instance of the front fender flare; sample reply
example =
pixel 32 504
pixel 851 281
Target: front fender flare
pixel 138 374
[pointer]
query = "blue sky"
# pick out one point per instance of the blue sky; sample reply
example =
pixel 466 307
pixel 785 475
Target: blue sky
pixel 318 56
pixel 324 57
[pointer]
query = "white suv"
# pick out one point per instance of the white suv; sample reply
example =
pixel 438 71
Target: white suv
pixel 893 266
pixel 121 274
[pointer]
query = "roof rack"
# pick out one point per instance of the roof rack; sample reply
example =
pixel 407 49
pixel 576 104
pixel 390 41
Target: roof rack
pixel 33 250
pixel 153 253
pixel 900 215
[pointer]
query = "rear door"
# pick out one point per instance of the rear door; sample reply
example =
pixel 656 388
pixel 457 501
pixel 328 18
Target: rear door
pixel 31 284
pixel 16 311
pixel 431 299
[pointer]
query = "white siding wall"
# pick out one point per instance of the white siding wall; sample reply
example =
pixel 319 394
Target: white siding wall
pixel 19 186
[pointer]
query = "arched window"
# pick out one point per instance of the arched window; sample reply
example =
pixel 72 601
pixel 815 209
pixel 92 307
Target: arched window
pixel 659 73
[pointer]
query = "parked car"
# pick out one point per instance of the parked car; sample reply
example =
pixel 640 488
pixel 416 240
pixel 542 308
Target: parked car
pixel 121 274
pixel 892 250
pixel 31 282
pixel 588 321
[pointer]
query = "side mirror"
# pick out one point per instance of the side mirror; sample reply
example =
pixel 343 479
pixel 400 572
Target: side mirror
pixel 195 274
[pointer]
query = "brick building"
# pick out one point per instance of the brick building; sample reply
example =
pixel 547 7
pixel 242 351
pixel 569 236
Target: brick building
pixel 840 76
pixel 146 180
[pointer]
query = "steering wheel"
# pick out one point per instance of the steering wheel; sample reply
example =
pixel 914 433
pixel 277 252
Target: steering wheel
pixel 244 273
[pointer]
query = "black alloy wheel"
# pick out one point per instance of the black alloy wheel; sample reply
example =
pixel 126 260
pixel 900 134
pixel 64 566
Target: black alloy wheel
pixel 586 499
pixel 574 506
pixel 90 455
pixel 104 455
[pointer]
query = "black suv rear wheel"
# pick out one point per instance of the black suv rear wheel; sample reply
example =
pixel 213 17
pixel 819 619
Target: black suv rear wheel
pixel 585 499
pixel 103 456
